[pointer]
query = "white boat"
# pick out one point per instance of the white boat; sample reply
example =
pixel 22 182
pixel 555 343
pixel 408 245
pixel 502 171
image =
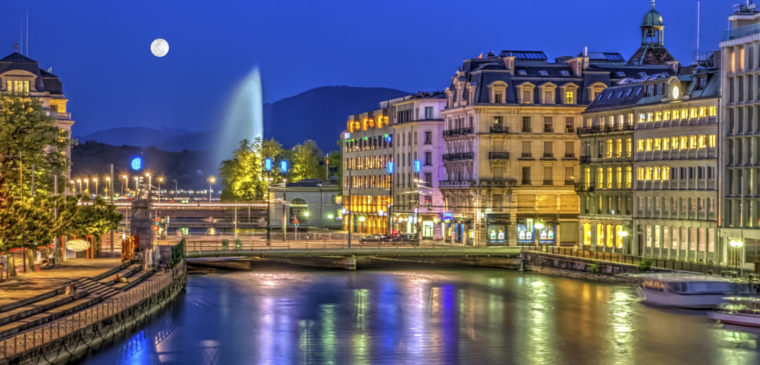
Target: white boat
pixel 688 290
pixel 744 311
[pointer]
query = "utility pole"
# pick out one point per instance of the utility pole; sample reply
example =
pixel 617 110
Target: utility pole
pixel 350 208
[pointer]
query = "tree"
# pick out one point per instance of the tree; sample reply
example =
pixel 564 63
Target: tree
pixel 25 223
pixel 241 175
pixel 272 149
pixel 306 162
pixel 29 141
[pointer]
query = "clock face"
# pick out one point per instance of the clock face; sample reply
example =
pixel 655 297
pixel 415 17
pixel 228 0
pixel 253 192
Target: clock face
pixel 675 92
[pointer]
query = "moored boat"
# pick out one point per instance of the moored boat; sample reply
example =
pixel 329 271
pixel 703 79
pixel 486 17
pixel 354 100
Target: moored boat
pixel 688 290
pixel 743 311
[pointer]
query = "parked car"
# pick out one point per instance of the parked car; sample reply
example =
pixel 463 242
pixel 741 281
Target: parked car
pixel 372 238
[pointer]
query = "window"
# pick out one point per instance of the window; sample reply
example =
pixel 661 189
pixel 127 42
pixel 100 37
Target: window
pixel 586 234
pixel 548 96
pixel 600 177
pixel 548 124
pixel 609 149
pixel 619 148
pixel 569 149
pixel 497 98
pixel 526 94
pixel 526 149
pixel 526 124
pixel 587 177
pixel 666 115
pixel 428 112
pixel 640 147
pixel 428 158
pixel 600 235
pixel 569 174
pixel 548 149
pixel 609 178
pixel 628 176
pixel 665 143
pixel 498 121
pixel 619 180
pixel 526 175
pixel 711 141
pixel 648 144
pixel 548 179
pixel 428 137
pixel 656 144
pixel 428 179
pixel 701 141
pixel 712 111
pixel 569 125
pixel 628 147
pixel 569 96
pixel 702 111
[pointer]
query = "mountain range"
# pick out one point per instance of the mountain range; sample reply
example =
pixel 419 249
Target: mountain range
pixel 319 114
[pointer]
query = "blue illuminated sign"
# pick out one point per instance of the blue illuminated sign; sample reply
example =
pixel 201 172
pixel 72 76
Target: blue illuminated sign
pixel 389 167
pixel 268 164
pixel 284 166
pixel 388 138
pixel 417 166
pixel 136 163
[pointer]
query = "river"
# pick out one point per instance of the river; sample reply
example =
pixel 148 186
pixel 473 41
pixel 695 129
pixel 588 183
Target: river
pixel 282 315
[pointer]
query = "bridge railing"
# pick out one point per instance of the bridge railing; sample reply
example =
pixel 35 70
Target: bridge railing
pixel 201 245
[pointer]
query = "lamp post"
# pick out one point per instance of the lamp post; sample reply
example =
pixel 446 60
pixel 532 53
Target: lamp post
pixel 95 180
pixel 211 181
pixel 126 184
pixel 110 188
pixel 284 172
pixel 160 181
pixel 268 169
pixel 137 185
pixel 79 181
pixel 389 170
pixel 176 188
pixel 87 185
pixel 150 185
pixel 73 187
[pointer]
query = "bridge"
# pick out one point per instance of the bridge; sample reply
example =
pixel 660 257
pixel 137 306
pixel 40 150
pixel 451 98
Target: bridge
pixel 339 255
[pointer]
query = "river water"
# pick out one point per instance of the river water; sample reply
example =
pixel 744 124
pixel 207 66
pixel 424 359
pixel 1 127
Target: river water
pixel 282 315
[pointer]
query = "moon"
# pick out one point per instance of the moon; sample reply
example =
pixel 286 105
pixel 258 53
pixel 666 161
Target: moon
pixel 159 47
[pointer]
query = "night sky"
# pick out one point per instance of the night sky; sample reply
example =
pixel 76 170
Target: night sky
pixel 100 49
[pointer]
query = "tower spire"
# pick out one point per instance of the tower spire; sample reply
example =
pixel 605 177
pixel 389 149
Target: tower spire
pixel 652 4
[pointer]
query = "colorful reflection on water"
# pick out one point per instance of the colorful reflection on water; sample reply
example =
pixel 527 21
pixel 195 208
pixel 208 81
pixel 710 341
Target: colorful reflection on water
pixel 432 316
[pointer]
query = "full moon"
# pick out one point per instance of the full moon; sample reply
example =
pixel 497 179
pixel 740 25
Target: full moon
pixel 159 47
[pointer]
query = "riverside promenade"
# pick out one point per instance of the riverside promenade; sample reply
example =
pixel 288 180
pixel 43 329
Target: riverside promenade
pixel 34 283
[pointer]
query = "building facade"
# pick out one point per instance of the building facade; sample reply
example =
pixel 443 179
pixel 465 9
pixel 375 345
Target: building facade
pixel 740 150
pixel 313 203
pixel 418 127
pixel 20 74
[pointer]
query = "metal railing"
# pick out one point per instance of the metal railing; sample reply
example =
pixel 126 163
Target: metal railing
pixel 457 132
pixel 498 155
pixel 458 156
pixel 60 328
pixel 620 258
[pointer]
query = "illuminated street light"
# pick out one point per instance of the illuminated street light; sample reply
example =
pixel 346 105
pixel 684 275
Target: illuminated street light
pixel 73 187
pixel 160 181
pixel 126 183
pixel 87 185
pixel 211 181
pixel 306 213
pixel 150 185
pixel 738 244
pixel 95 180
pixel 79 181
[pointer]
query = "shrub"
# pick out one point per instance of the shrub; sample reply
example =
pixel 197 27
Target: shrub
pixel 225 244
pixel 238 243
pixel 645 264
pixel 595 268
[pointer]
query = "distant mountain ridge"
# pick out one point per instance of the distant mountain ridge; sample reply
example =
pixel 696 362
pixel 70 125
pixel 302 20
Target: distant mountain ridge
pixel 319 114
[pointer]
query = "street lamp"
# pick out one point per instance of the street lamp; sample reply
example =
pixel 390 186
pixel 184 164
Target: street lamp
pixel 95 180
pixel 126 183
pixel 73 187
pixel 389 170
pixel 284 172
pixel 739 245
pixel 150 185
pixel 110 188
pixel 268 169
pixel 211 181
pixel 79 181
pixel 160 181
pixel 87 185
pixel 137 185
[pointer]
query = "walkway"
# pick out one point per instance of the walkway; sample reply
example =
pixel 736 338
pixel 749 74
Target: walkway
pixel 31 284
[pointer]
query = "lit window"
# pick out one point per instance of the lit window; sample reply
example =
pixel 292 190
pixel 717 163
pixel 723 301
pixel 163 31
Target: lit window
pixel 587 177
pixel 656 173
pixel 665 143
pixel 586 234
pixel 712 111
pixel 692 112
pixel 618 237
pixel 702 141
pixel 619 174
pixel 610 235
pixel 649 117
pixel 692 142
pixel 630 118
pixel 666 115
pixel 600 177
pixel 600 235
pixel 570 97
pixel 640 174
pixel 628 176
pixel 684 113
pixel 648 144
pixel 684 144
pixel 642 118
pixel 628 147
pixel 619 148
pixel 656 144
pixel 609 148
pixel 711 141
pixel 702 111
pixel 647 173
pixel 609 178
pixel 665 173
pixel 675 114
pixel 657 116
pixel 674 143
pixel 640 147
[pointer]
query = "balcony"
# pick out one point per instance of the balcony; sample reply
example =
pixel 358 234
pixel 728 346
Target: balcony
pixel 570 182
pixel 548 156
pixel 458 156
pixel 582 186
pixel 548 129
pixel 457 132
pixel 498 155
pixel 548 182
pixel 524 182
pixel 569 156
pixel 605 129
pixel 741 32
pixel 456 183
pixel 526 156
pixel 585 159
pixel 503 182
pixel 498 128
pixel 569 129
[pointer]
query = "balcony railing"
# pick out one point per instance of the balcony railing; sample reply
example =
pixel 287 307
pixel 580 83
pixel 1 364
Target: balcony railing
pixel 547 156
pixel 582 186
pixel 605 129
pixel 457 132
pixel 569 182
pixel 741 32
pixel 498 155
pixel 548 182
pixel 569 129
pixel 458 156
pixel 569 156
pixel 455 183
pixel 585 159
pixel 497 182
pixel 498 128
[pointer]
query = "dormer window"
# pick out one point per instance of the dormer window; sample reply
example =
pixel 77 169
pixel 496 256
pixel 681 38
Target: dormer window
pixel 498 92
pixel 702 82
pixel 17 86
pixel 543 73
pixel 548 92
pixel 569 92
pixel 526 93
pixel 595 90
pixel 522 72
pixel 620 74
pixel 564 72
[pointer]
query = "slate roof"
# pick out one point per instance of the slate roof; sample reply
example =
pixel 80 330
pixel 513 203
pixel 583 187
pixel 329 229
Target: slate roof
pixel 45 81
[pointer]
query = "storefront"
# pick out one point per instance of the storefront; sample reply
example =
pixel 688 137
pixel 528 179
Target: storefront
pixel 528 228
pixel 497 226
